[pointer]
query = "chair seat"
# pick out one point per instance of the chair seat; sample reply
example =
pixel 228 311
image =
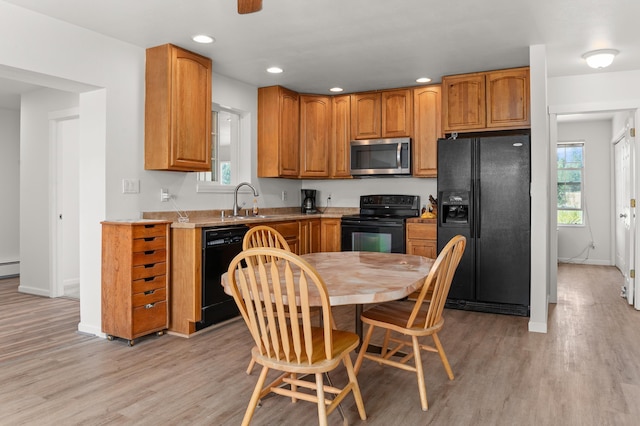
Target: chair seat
pixel 342 341
pixel 395 315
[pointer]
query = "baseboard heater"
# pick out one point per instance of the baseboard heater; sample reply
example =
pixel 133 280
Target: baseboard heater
pixel 491 308
pixel 9 269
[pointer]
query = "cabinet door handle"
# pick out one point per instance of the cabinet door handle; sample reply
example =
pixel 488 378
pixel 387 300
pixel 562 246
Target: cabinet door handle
pixel 149 305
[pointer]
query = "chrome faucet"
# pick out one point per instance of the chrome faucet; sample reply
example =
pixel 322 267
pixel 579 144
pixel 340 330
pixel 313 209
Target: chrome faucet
pixel 235 195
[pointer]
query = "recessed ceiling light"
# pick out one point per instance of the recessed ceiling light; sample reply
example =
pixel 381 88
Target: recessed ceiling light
pixel 275 70
pixel 423 80
pixel 336 89
pixel 600 58
pixel 203 38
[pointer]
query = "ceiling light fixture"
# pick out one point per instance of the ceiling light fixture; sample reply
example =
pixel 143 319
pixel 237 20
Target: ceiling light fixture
pixel 203 38
pixel 600 58
pixel 336 89
pixel 275 70
pixel 423 80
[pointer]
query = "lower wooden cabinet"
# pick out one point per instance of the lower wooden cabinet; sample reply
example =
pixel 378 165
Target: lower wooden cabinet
pixel 422 237
pixel 290 231
pixel 135 283
pixel 330 234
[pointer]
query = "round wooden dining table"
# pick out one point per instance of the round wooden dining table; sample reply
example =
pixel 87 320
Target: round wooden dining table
pixel 363 277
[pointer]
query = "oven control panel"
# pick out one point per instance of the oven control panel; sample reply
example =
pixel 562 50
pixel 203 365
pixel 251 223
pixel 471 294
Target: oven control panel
pixel 390 201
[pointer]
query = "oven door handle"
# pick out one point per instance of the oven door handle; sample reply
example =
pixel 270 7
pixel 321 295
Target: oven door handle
pixel 369 224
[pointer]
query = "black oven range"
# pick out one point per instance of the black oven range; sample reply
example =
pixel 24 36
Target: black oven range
pixel 380 226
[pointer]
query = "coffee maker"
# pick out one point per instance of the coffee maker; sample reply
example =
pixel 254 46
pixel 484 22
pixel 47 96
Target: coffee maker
pixel 308 201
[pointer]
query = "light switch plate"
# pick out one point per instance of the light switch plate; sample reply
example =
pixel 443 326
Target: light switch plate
pixel 130 186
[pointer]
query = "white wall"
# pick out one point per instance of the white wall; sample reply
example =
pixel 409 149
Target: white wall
pixel 9 191
pixel 109 75
pixel 35 188
pixel 573 241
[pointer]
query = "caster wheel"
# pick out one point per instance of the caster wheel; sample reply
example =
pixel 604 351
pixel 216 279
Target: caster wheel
pixel 130 343
pixel 160 333
pixel 109 337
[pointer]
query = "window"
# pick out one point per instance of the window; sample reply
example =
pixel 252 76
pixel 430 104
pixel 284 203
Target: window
pixel 226 140
pixel 570 156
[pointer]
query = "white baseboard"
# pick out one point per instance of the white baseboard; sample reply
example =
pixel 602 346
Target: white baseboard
pixel 34 291
pixel 597 262
pixel 537 327
pixel 91 329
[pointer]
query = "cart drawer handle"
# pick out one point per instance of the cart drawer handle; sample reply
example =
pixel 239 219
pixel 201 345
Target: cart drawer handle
pixel 150 291
pixel 149 305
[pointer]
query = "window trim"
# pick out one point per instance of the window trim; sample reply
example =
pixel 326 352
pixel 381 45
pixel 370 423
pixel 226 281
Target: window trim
pixel 242 171
pixel 582 208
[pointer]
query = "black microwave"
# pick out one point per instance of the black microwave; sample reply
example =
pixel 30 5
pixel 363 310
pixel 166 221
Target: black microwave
pixel 381 157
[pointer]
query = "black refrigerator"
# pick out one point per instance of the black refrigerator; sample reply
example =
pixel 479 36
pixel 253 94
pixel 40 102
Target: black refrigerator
pixel 484 194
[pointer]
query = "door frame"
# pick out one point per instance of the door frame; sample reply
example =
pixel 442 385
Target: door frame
pixel 554 111
pixel 56 280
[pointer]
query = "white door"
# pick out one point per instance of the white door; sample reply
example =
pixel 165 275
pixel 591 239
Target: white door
pixel 65 197
pixel 622 183
pixel 625 225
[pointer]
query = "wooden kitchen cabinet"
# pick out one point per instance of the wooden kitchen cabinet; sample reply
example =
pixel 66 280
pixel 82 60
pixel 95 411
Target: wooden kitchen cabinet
pixel 494 100
pixel 291 232
pixel 508 99
pixel 426 130
pixel 330 234
pixel 386 114
pixel 135 283
pixel 397 116
pixel 365 115
pixel 278 132
pixel 310 236
pixel 177 110
pixel 422 237
pixel 315 135
pixel 340 155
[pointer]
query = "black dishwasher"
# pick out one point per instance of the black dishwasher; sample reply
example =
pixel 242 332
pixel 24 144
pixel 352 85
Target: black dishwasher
pixel 219 246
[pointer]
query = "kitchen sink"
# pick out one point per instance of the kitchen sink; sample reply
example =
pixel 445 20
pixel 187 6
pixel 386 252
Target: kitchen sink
pixel 260 216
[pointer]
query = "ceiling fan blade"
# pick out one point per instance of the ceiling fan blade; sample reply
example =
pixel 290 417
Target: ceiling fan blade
pixel 249 6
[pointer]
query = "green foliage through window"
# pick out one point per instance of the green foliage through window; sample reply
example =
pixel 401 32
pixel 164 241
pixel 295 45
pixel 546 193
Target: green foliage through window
pixel 570 159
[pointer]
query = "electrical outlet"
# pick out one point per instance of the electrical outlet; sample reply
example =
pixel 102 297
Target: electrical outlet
pixel 284 195
pixel 164 195
pixel 593 246
pixel 329 197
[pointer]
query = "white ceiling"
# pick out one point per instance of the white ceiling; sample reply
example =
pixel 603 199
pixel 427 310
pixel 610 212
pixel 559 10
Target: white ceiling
pixel 366 44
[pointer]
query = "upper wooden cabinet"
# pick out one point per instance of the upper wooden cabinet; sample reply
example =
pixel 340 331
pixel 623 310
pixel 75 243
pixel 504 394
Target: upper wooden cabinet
pixel 385 114
pixel 508 99
pixel 426 131
pixel 278 132
pixel 493 100
pixel 340 154
pixel 365 115
pixel 315 135
pixel 397 116
pixel 177 110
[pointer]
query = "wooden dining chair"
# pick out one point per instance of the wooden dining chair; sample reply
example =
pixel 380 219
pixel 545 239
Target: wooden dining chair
pixel 411 321
pixel 263 236
pixel 264 292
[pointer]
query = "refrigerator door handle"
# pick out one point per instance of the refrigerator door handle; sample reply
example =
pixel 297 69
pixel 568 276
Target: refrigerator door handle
pixel 471 213
pixel 478 209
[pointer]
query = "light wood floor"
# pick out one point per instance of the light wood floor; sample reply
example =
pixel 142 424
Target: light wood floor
pixel 584 371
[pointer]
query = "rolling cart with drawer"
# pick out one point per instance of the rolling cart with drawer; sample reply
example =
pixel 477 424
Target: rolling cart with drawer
pixel 135 278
